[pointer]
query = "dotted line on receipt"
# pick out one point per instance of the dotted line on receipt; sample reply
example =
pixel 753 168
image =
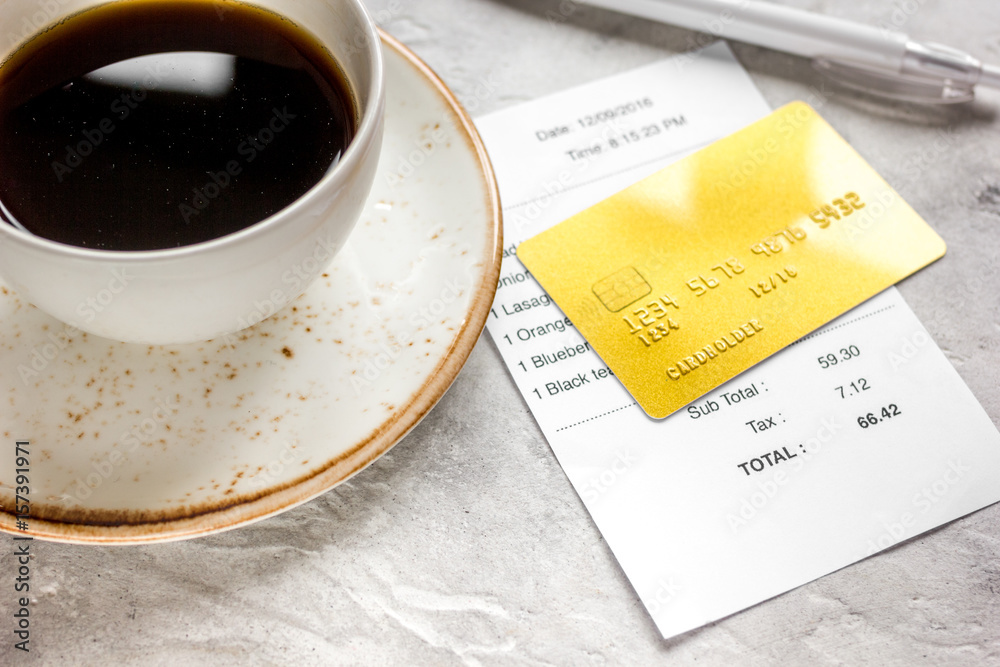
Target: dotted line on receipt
pixel 566 428
pixel 844 324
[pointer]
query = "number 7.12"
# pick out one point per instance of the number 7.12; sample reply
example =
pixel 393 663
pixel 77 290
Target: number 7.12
pixel 854 388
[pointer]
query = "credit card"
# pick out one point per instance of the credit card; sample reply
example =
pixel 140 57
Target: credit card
pixel 693 275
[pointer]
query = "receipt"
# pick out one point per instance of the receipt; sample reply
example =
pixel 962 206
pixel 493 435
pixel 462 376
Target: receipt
pixel 857 437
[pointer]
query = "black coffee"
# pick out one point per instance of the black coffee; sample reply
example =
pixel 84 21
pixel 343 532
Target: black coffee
pixel 155 124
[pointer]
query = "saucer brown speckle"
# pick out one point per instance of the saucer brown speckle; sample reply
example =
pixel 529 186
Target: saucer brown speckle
pixel 136 444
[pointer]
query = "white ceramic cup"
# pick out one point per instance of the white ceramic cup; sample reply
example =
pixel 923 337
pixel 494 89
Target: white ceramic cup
pixel 211 289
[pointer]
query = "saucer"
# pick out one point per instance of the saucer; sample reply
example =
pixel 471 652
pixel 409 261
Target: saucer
pixel 133 444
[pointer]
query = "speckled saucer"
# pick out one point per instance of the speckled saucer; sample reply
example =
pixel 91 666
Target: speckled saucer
pixel 134 444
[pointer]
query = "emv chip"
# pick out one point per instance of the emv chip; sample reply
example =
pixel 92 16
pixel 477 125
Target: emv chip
pixel 622 289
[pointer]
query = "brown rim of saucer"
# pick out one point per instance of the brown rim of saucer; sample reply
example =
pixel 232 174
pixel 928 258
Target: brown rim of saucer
pixel 116 527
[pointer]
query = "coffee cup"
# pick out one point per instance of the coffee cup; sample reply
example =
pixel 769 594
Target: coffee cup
pixel 217 287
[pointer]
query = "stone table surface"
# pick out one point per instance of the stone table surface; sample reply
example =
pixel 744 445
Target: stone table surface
pixel 466 544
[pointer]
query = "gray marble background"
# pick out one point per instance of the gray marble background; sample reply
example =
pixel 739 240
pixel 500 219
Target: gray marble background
pixel 467 545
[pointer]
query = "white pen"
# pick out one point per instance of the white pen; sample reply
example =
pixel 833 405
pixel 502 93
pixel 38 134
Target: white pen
pixel 880 61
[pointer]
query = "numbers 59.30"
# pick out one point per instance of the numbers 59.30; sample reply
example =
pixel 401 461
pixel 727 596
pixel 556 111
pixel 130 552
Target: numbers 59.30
pixel 839 357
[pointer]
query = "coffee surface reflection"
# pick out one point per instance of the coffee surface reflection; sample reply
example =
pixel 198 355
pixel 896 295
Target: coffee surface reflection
pixel 155 125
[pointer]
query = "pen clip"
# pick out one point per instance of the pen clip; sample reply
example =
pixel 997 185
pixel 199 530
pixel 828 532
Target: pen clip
pixel 905 87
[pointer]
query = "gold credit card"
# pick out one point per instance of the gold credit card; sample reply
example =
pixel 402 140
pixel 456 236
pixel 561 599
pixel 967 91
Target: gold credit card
pixel 695 274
